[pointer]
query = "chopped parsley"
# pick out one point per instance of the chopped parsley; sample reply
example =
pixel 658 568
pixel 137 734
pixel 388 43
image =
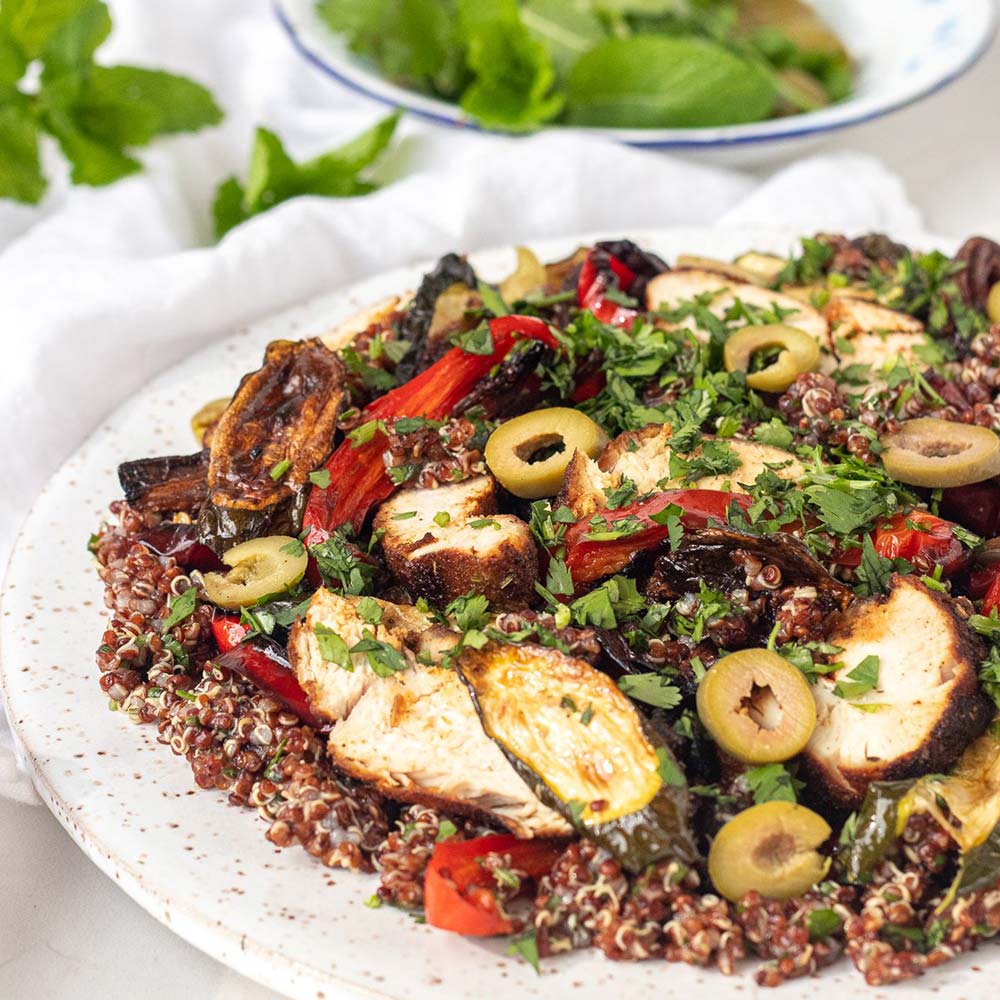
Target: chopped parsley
pixel 862 679
pixel 181 607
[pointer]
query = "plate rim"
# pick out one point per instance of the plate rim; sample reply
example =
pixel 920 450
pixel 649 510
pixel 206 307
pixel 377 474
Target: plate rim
pixel 708 138
pixel 253 957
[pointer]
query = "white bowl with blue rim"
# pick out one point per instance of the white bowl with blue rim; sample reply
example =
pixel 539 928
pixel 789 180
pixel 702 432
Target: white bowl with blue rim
pixel 905 50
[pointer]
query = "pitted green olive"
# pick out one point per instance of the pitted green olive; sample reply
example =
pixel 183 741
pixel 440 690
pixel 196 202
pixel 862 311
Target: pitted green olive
pixel 259 570
pixel 798 353
pixel 207 417
pixel 529 454
pixel 941 453
pixel 757 706
pixel 769 847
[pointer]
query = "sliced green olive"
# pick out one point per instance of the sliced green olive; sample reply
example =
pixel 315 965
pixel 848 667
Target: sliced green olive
pixel 769 847
pixel 993 304
pixel 757 706
pixel 259 570
pixel 798 353
pixel 529 454
pixel 207 417
pixel 940 453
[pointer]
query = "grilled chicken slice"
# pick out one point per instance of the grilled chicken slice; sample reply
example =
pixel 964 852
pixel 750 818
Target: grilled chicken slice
pixel 416 737
pixel 333 691
pixel 414 734
pixel 376 318
pixel 926 708
pixel 476 549
pixel 643 457
pixel 670 289
pixel 865 333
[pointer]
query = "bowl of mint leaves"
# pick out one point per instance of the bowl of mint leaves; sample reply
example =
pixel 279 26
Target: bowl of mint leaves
pixel 680 74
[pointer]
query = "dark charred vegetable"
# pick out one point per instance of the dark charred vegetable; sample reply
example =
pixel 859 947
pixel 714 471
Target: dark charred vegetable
pixel 879 823
pixel 415 326
pixel 612 270
pixel 169 485
pixel 510 387
pixel 975 507
pixel 981 271
pixel 980 867
pixel 590 757
pixel 716 555
pixel 358 478
pixel 278 429
pixel 180 541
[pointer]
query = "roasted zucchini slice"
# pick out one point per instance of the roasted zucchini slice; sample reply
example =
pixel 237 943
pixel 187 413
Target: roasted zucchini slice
pixel 583 749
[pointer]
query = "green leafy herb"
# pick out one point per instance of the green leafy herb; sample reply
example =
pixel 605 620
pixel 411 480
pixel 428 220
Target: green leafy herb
pixel 442 518
pixel 862 679
pixel 668 769
pixel 280 468
pixel 369 610
pixel 341 565
pixel 51 83
pixel 823 923
pixel 446 829
pixel 469 611
pixel 180 654
pixel 492 300
pixel 526 946
pixel 332 647
pixel 478 340
pixel 653 689
pixel 293 548
pixel 773 782
pixel 181 607
pixel 385 660
pixel 320 478
pixel 274 177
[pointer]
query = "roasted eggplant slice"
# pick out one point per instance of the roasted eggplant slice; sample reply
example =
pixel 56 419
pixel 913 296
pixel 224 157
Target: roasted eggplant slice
pixel 582 747
pixel 451 274
pixel 278 428
pixel 169 485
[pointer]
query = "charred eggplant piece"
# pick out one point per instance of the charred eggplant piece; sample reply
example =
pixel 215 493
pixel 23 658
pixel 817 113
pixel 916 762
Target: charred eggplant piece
pixel 182 543
pixel 168 485
pixel 278 428
pixel 583 749
pixel 722 557
pixel 415 327
pixel 644 264
pixel 512 388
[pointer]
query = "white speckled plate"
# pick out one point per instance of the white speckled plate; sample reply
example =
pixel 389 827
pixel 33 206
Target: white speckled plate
pixel 205 869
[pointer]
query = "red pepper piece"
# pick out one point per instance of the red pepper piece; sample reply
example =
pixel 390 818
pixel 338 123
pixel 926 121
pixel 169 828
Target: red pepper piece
pixel 895 538
pixel 590 559
pixel 263 662
pixel 229 632
pixel 991 602
pixel 589 386
pixel 357 475
pixel 593 285
pixel 459 893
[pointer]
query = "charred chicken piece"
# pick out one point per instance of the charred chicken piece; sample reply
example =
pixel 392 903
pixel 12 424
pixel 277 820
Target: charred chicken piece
pixel 875 336
pixel 474 549
pixel 669 290
pixel 643 457
pixel 278 428
pixel 169 485
pixel 925 708
pixel 409 729
pixel 334 693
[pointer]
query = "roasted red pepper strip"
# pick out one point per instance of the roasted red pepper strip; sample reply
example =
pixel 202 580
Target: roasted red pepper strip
pixel 896 537
pixel 357 475
pixel 263 662
pixel 459 893
pixel 592 287
pixel 590 559
pixel 991 602
pixel 229 632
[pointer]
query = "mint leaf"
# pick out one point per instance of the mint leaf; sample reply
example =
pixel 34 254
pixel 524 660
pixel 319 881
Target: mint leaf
pixel 70 47
pixel 129 105
pixel 20 168
pixel 274 177
pixel 665 82
pixel 512 72
pixel 668 769
pixel 772 782
pixel 567 28
pixel 33 24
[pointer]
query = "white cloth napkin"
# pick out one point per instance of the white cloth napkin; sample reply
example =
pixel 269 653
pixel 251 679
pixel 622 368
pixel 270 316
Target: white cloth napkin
pixel 126 278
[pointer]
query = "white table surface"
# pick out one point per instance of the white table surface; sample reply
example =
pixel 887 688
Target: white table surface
pixel 67 930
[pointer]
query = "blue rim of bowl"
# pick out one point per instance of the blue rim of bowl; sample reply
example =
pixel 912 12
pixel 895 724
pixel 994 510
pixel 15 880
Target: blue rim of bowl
pixel 970 60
